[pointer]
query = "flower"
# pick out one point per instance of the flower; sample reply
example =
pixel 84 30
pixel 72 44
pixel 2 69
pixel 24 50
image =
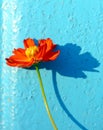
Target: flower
pixel 32 53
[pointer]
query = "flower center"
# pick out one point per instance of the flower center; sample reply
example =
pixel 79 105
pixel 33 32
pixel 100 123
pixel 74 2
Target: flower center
pixel 31 51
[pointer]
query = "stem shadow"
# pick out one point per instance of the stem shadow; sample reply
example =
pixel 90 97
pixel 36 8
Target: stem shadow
pixel 63 106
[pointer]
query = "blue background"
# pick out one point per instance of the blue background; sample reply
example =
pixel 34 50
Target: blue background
pixel 73 83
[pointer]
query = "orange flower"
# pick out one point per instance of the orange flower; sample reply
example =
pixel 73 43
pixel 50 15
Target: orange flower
pixel 32 54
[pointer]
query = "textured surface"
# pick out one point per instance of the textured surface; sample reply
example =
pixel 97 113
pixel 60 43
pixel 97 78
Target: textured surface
pixel 73 83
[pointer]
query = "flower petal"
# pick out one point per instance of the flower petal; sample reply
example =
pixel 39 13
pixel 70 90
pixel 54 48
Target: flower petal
pixel 10 62
pixel 28 43
pixel 19 59
pixel 51 56
pixel 19 63
pixel 19 51
pixel 48 42
pixel 42 51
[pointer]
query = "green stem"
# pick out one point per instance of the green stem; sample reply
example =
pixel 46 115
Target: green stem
pixel 44 98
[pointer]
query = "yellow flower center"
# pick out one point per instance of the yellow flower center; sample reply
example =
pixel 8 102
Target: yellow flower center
pixel 31 51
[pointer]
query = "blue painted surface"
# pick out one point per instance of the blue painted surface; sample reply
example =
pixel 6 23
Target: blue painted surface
pixel 73 83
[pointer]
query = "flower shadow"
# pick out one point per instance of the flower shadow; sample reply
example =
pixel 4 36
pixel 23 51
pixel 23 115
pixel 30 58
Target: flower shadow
pixel 71 63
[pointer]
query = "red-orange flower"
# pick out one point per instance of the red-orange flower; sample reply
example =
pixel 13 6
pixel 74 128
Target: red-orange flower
pixel 32 54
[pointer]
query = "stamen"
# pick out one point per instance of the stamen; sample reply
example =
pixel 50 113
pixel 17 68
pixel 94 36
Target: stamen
pixel 31 51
